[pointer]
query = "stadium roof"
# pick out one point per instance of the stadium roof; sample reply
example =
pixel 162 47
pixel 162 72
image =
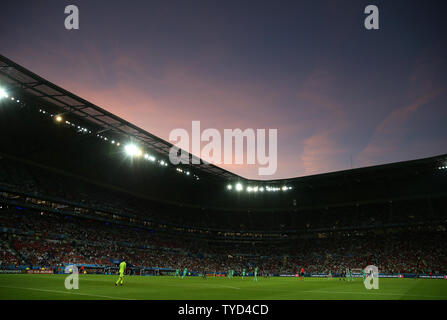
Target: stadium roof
pixel 69 103
pixel 20 77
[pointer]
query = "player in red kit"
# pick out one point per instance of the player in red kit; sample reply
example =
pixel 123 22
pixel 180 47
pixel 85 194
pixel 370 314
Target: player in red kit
pixel 302 274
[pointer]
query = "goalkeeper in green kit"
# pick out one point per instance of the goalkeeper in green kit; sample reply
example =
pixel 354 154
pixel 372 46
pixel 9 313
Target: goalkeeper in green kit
pixel 121 277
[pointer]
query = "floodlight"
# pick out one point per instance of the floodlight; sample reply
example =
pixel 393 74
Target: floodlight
pixel 132 150
pixel 3 93
pixel 58 118
pixel 239 187
pixel 229 187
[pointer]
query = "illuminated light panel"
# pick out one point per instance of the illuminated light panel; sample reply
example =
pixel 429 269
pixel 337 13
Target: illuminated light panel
pixel 3 93
pixel 132 150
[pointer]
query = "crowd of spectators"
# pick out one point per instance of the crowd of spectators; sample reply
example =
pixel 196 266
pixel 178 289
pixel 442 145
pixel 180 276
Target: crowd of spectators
pixel 80 193
pixel 47 240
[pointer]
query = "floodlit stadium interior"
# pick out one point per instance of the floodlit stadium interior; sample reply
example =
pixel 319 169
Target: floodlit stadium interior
pixel 79 185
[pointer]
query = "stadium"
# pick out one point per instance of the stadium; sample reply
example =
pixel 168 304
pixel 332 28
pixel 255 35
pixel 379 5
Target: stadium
pixel 81 187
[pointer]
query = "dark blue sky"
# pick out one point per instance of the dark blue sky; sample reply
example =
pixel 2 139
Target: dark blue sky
pixel 308 68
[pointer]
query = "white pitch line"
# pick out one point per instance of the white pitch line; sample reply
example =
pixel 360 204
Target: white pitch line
pixel 64 292
pixel 204 285
pixel 222 285
pixel 197 285
pixel 375 294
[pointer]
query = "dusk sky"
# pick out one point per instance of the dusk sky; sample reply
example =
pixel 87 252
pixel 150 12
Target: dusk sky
pixel 310 69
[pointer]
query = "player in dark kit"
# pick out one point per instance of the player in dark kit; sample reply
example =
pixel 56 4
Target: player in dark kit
pixel 343 275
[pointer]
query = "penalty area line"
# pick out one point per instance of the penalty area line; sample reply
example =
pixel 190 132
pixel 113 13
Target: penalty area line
pixel 374 294
pixel 202 285
pixel 64 292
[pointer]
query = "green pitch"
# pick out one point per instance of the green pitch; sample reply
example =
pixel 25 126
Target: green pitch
pixel 28 286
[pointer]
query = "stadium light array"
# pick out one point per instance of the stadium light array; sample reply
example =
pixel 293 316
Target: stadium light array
pixel 239 187
pixel 130 149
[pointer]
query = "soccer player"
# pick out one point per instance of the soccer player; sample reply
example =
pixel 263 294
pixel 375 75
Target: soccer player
pixel 243 273
pixel 256 274
pixel 363 274
pixel 418 266
pixel 350 278
pixel 330 275
pixel 343 275
pixel 177 273
pixel 302 274
pixel 121 277
pixel 185 271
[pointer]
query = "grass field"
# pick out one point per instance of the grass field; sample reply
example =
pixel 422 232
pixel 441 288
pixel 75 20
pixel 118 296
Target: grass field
pixel 28 286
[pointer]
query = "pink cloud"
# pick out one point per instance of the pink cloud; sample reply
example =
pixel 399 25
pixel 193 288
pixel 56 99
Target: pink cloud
pixel 387 139
pixel 329 122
